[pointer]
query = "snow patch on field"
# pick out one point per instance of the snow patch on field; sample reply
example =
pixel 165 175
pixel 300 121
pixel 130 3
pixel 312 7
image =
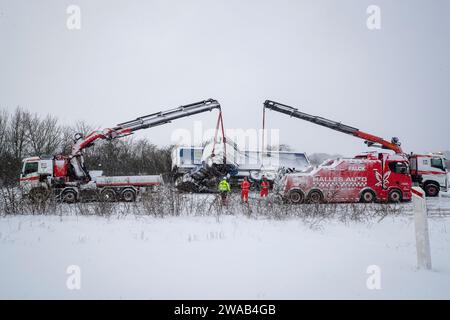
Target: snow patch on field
pixel 217 258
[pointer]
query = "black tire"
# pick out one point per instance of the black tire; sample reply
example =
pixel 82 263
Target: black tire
pixel 368 196
pixel 129 195
pixel 395 196
pixel 69 196
pixel 315 196
pixel 431 190
pixel 296 196
pixel 108 195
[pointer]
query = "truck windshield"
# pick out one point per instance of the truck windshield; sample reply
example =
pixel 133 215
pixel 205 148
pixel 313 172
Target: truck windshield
pixel 399 167
pixel 30 167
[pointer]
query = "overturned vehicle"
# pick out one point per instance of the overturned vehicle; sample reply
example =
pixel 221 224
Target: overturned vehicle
pixel 199 169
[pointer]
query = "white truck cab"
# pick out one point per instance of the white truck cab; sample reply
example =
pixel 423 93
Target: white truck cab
pixel 430 172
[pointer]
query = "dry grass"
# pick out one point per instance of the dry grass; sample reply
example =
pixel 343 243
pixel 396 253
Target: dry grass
pixel 169 202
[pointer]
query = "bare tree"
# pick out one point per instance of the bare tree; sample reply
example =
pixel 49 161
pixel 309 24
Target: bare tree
pixel 44 136
pixel 24 134
pixel 68 136
pixel 67 140
pixel 17 132
pixel 82 128
pixel 3 131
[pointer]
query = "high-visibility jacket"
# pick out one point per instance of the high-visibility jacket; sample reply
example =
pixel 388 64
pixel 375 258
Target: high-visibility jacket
pixel 224 186
pixel 245 185
pixel 264 189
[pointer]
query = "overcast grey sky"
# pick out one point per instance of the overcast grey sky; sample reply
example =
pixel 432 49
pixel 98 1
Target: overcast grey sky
pixel 136 57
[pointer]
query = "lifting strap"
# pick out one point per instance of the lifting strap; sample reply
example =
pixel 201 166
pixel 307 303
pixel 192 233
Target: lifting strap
pixel 220 124
pixel 263 133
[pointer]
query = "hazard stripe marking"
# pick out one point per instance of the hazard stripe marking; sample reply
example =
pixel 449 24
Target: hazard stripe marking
pixel 417 193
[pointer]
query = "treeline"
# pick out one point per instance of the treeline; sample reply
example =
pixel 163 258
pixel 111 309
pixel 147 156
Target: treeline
pixel 24 134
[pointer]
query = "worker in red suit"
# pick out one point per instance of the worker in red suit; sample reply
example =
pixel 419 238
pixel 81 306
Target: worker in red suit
pixel 245 187
pixel 264 187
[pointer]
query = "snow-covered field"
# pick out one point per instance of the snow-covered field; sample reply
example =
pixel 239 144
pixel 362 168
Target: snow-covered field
pixel 220 257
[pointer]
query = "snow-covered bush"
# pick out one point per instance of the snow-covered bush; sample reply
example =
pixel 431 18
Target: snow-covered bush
pixel 169 202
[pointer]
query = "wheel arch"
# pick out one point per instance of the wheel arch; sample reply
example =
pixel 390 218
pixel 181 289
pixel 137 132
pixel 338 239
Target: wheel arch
pixel 365 189
pixel 427 182
pixel 70 190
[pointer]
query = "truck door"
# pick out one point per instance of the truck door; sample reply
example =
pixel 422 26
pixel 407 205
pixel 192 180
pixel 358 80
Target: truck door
pixel 29 177
pixel 399 176
pixel 413 165
pixel 438 165
pixel 30 169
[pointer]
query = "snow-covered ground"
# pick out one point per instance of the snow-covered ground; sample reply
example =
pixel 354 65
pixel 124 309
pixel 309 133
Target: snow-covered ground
pixel 219 257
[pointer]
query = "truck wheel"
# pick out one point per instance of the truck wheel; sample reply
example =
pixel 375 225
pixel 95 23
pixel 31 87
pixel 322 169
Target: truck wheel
pixel 296 196
pixel 431 190
pixel 315 196
pixel 69 196
pixel 368 196
pixel 129 195
pixel 108 195
pixel 395 196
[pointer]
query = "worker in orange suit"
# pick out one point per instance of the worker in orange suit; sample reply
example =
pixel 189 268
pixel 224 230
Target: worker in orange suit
pixel 264 187
pixel 245 187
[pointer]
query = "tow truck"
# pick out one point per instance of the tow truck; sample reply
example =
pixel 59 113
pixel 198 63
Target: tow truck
pixel 367 177
pixel 68 179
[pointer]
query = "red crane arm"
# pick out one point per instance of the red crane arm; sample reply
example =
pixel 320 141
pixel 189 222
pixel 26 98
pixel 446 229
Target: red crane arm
pixel 370 139
pixel 148 121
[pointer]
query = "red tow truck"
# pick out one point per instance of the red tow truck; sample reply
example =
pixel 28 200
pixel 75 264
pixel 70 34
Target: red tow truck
pixel 367 177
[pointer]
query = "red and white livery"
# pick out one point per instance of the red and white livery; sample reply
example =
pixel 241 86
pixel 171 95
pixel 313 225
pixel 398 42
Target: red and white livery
pixel 368 177
pixel 429 171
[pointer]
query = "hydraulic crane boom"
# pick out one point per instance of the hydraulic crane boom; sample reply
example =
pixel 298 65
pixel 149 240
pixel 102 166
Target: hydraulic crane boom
pixel 144 122
pixel 127 128
pixel 370 139
pixel 159 118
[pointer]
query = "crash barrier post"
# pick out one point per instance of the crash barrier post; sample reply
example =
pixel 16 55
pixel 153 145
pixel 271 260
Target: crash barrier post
pixel 421 229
